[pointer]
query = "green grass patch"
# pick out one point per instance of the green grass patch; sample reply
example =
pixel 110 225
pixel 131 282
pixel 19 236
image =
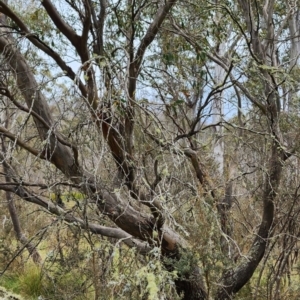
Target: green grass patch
pixel 31 282
pixel 10 282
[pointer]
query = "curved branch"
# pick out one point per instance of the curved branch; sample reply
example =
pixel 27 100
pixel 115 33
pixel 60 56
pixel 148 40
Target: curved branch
pixel 234 279
pixel 34 39
pixel 59 154
pixel 4 91
pixel 135 223
pixel 152 32
pixel 116 233
pixel 61 25
pixel 79 42
pixel 22 144
pixel 222 64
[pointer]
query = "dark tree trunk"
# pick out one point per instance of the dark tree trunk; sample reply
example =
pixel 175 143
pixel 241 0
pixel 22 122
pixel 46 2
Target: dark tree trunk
pixel 191 287
pixel 234 279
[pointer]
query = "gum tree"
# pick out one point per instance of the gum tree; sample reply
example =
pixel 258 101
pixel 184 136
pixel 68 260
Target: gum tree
pixel 114 100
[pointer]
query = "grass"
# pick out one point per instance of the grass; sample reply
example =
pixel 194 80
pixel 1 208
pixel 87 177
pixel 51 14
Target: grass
pixel 31 282
pixel 10 282
pixel 27 283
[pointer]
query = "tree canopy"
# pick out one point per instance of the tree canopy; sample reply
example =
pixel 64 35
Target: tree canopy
pixel 170 128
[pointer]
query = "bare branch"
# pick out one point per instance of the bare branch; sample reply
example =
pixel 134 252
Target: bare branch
pixel 116 233
pixel 59 154
pixel 4 91
pixel 19 142
pixel 152 32
pixel 34 39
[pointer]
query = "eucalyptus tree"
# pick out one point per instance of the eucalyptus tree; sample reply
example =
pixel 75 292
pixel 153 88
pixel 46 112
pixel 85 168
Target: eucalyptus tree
pixel 115 100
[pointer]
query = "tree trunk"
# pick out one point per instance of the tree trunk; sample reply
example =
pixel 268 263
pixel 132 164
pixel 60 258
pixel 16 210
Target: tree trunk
pixel 234 279
pixel 192 287
pixel 33 252
pixel 294 55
